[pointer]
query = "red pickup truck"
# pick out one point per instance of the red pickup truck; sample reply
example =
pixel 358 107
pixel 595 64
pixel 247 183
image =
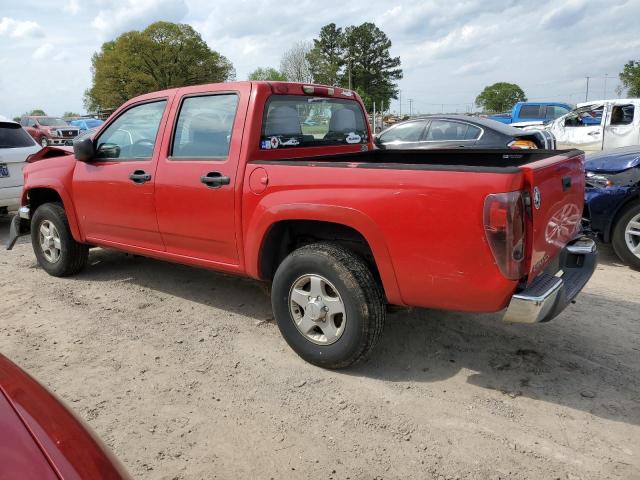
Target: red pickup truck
pixel 281 182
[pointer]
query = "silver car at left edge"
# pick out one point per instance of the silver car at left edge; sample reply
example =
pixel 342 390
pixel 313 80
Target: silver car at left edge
pixel 15 146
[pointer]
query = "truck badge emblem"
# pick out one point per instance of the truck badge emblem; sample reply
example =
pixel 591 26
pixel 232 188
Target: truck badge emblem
pixel 536 198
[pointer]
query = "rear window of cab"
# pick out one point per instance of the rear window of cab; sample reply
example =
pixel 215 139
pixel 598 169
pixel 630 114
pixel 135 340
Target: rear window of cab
pixel 300 121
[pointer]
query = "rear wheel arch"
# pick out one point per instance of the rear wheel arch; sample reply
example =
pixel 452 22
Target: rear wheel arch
pixel 286 236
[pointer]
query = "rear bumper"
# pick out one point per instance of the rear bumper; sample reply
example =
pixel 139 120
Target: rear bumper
pixel 10 196
pixel 549 294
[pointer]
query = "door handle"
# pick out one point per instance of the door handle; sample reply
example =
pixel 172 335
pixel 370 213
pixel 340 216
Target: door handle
pixel 139 176
pixel 593 134
pixel 215 180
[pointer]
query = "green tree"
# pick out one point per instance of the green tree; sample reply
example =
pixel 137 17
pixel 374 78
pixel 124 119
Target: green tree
pixel 267 73
pixel 369 64
pixel 295 65
pixel 359 58
pixel 70 115
pixel 163 55
pixel 630 78
pixel 35 111
pixel 326 57
pixel 500 97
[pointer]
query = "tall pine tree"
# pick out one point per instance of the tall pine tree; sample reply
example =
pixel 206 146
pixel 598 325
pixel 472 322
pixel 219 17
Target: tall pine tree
pixel 359 58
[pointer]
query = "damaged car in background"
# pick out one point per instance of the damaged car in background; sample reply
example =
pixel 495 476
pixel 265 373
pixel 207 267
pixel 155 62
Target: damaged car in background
pixel 612 200
pixel 599 125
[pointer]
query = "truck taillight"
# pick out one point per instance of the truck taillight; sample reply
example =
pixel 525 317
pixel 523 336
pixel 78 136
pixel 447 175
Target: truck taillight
pixel 504 228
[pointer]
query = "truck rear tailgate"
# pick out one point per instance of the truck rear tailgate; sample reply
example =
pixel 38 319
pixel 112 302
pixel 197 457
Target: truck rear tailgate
pixel 556 190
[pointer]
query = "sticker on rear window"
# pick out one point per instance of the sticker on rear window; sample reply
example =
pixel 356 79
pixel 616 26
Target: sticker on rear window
pixel 292 142
pixel 353 138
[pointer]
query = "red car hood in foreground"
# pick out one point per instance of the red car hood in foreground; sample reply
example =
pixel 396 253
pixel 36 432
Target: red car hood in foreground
pixel 40 439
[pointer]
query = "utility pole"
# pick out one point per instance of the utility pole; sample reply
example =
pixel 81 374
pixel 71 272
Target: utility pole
pixel 410 106
pixel 374 118
pixel 400 101
pixel 586 95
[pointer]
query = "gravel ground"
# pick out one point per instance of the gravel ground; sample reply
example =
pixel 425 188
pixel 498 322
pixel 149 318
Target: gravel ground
pixel 183 373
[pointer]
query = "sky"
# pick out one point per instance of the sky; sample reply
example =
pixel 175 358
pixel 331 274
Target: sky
pixel 450 50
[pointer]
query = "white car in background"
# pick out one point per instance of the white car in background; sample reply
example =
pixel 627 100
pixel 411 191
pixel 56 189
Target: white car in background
pixel 598 125
pixel 15 146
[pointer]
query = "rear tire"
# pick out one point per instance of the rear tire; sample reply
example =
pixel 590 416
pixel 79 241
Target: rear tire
pixel 54 246
pixel 347 285
pixel 626 245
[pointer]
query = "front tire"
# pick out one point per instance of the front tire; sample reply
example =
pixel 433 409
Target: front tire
pixel 55 248
pixel 626 236
pixel 328 305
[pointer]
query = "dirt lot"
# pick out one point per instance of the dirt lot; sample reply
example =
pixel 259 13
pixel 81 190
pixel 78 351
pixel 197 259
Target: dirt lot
pixel 183 373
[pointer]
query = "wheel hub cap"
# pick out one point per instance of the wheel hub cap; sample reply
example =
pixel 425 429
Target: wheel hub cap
pixel 49 241
pixel 317 309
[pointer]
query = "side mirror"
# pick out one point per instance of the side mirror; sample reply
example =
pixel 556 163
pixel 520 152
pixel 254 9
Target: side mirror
pixel 83 149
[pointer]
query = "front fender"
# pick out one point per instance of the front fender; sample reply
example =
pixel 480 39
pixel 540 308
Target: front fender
pixel 69 208
pixel 260 224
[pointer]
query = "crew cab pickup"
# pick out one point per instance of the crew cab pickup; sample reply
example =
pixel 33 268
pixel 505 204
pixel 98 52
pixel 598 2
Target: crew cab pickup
pixel 281 182
pixel 532 113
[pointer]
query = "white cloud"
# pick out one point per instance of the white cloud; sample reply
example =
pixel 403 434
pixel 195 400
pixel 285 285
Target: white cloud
pixel 450 50
pixel 20 28
pixel 568 13
pixel 43 51
pixel 72 6
pixel 119 16
pixel 477 68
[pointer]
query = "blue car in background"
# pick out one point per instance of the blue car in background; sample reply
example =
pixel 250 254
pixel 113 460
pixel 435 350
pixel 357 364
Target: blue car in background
pixel 612 200
pixel 85 124
pixel 532 113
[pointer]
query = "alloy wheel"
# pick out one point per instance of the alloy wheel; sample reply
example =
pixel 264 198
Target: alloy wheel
pixel 632 235
pixel 317 309
pixel 50 241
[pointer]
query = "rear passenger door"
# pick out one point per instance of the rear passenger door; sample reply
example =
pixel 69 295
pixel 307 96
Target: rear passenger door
pixel 196 176
pixel 622 127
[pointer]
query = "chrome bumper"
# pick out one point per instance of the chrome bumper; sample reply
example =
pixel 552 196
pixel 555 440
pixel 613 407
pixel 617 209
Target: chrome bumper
pixel 549 294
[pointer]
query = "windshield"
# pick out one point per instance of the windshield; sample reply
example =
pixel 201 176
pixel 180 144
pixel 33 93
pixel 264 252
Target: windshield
pixel 297 121
pixel 51 121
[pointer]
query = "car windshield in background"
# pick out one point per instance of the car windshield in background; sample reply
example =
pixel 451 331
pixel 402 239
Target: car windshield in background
pixel 51 121
pixel 13 136
pixel 297 121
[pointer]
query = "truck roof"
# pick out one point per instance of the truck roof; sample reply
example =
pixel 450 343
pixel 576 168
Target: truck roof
pixel 614 101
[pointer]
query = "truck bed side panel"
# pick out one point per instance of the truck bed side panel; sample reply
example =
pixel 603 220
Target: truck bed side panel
pixel 430 222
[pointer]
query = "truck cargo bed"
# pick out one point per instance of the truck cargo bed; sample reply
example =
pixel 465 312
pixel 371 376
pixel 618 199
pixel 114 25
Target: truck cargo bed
pixel 477 160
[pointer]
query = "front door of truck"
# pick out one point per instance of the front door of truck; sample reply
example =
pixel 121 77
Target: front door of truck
pixel 622 127
pixel 196 176
pixel 113 192
pixel 582 128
